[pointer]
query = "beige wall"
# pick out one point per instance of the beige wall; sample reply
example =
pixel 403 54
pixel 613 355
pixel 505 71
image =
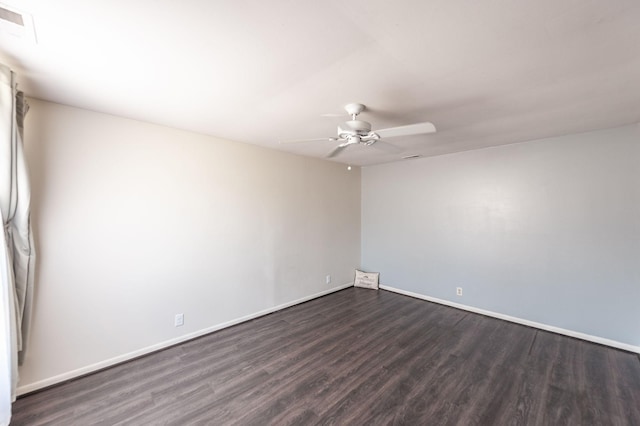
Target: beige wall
pixel 136 222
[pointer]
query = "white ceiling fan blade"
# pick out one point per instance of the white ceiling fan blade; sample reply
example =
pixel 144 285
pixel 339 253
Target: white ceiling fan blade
pixel 305 140
pixel 411 129
pixel 386 147
pixel 337 150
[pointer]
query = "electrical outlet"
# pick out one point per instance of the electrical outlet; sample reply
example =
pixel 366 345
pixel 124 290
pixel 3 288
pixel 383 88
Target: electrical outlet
pixel 459 291
pixel 328 279
pixel 179 320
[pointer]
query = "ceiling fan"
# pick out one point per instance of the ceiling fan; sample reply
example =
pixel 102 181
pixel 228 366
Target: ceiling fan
pixel 357 131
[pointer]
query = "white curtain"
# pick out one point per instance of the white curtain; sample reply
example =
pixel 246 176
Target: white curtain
pixel 17 252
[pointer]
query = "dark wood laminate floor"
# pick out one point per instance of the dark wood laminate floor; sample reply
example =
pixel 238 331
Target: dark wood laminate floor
pixel 357 357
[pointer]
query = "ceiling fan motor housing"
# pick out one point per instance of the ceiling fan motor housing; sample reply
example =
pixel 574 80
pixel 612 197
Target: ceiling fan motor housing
pixel 354 127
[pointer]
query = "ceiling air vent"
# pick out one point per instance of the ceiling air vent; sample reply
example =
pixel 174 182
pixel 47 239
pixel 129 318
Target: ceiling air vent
pixel 411 157
pixel 16 25
pixel 11 16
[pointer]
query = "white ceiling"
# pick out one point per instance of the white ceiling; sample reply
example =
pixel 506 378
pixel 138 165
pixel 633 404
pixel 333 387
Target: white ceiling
pixel 484 72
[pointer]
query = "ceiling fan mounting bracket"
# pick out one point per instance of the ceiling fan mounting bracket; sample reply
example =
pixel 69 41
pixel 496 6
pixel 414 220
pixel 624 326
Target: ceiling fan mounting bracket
pixel 354 109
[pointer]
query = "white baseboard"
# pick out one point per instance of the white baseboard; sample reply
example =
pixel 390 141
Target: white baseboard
pixel 21 390
pixel 558 330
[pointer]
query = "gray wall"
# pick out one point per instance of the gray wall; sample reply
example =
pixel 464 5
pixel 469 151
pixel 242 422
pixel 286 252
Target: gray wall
pixel 545 231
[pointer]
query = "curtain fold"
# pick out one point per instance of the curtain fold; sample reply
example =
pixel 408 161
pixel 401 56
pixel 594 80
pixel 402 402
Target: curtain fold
pixel 17 252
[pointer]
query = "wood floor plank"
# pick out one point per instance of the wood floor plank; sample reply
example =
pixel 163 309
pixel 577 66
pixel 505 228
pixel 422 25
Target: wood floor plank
pixel 357 357
pixel 624 369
